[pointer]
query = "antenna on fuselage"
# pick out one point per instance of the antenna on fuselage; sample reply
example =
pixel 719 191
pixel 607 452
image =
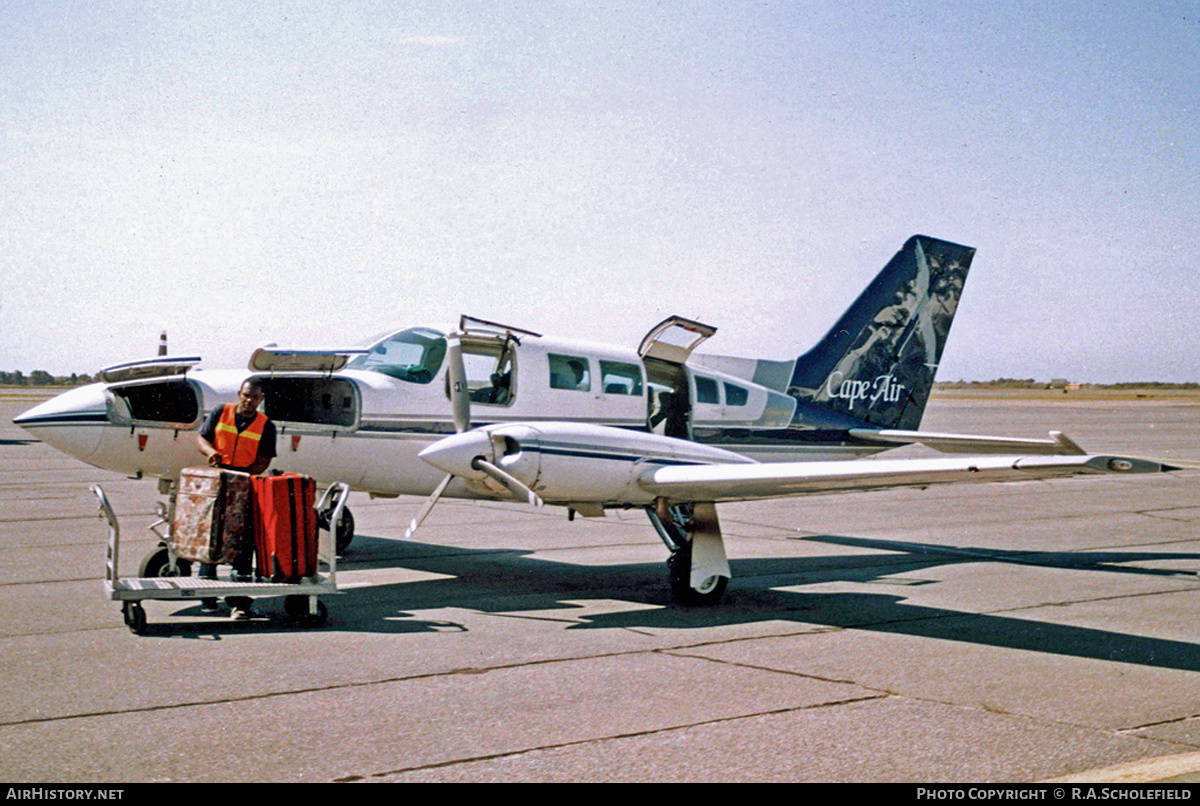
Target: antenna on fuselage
pixel 162 343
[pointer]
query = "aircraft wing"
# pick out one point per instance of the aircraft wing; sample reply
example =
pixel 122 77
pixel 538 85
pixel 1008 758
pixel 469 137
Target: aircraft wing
pixel 742 482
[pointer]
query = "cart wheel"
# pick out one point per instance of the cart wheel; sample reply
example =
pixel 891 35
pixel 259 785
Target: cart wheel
pixel 297 609
pixel 158 564
pixel 319 618
pixel 295 606
pixel 135 617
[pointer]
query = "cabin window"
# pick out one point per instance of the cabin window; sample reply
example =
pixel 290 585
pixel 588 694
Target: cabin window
pixel 736 395
pixel 570 372
pixel 414 355
pixel 706 390
pixel 620 378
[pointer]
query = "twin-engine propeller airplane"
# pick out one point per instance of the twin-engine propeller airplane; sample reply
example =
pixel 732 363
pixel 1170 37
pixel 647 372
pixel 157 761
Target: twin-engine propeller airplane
pixel 496 412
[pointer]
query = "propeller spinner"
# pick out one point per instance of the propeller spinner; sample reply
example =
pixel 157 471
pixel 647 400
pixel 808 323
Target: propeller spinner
pixel 469 453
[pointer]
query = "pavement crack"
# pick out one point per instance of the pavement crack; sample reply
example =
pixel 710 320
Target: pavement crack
pixel 608 738
pixel 683 653
pixel 1173 721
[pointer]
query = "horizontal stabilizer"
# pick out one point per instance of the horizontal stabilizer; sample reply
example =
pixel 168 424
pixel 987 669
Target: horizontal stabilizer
pixel 748 482
pixel 1059 444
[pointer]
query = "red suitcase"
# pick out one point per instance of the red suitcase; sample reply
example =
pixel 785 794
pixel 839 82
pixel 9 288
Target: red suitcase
pixel 285 526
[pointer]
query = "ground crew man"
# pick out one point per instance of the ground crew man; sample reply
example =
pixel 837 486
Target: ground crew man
pixel 237 436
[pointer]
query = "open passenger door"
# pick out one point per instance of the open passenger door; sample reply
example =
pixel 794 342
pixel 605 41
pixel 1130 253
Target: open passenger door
pixel 664 351
pixel 673 339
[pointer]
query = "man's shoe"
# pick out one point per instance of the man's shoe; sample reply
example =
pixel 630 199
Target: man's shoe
pixel 241 614
pixel 209 606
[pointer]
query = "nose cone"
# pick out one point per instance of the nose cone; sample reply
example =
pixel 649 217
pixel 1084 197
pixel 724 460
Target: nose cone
pixel 454 454
pixel 71 422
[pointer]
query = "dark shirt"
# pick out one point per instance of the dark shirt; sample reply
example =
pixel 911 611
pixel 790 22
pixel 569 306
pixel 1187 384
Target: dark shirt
pixel 266 445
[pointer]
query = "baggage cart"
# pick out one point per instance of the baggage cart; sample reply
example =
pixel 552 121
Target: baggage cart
pixel 301 600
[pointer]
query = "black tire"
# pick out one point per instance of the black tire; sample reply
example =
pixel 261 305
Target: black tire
pixel 679 571
pixel 297 609
pixel 295 606
pixel 317 619
pixel 135 617
pixel 345 532
pixel 158 564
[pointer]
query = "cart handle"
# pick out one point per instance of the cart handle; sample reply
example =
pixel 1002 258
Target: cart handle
pixel 114 535
pixel 342 490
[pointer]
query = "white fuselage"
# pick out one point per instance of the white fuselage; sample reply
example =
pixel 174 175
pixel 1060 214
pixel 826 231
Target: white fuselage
pixel 365 425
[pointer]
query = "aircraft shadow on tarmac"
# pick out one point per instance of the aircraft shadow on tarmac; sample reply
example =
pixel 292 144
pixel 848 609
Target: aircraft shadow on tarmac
pixel 511 582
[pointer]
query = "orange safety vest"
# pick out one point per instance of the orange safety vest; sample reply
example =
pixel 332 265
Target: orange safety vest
pixel 238 449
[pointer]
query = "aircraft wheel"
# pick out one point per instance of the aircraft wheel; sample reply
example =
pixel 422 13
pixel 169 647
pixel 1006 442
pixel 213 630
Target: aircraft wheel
pixel 158 564
pixel 135 617
pixel 679 571
pixel 345 531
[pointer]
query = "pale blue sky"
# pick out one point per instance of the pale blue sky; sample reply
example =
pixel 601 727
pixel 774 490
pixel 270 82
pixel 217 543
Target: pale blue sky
pixel 311 173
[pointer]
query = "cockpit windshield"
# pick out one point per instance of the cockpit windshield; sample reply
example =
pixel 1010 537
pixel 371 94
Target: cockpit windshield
pixel 413 355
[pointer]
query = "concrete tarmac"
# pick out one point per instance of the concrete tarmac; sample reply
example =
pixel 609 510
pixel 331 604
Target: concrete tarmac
pixel 993 633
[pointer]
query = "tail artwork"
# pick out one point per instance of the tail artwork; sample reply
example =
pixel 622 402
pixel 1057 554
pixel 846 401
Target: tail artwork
pixel 877 364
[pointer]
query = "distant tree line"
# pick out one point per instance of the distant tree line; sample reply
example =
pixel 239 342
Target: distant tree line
pixel 41 378
pixel 1152 385
pixel 1005 383
pixel 1030 383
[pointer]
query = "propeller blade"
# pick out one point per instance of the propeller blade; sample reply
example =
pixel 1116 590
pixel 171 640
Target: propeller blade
pixel 460 400
pixel 427 506
pixel 514 485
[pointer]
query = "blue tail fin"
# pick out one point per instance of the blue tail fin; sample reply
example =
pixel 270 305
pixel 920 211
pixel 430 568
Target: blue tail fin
pixel 878 363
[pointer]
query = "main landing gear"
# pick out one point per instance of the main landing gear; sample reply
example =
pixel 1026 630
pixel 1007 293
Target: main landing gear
pixel 697 569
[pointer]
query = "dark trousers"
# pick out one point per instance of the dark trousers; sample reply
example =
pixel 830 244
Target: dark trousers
pixel 243 565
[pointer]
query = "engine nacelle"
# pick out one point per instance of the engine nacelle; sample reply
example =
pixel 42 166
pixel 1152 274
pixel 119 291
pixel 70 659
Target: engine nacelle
pixel 570 462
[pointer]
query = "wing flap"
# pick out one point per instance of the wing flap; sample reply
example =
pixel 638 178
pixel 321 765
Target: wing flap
pixel 1059 444
pixel 776 480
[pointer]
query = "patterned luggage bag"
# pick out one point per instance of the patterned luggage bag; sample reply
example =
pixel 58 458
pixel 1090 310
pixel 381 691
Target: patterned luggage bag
pixel 212 515
pixel 285 534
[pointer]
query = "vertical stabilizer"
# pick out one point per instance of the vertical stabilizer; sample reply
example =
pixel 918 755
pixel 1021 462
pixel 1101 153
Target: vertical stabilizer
pixel 878 363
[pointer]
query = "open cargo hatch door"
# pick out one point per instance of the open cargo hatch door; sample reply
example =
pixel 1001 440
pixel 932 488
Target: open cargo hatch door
pixel 159 367
pixel 273 358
